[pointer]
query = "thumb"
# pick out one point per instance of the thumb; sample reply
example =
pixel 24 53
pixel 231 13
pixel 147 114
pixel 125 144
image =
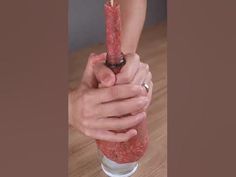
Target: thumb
pixel 104 75
pixel 88 77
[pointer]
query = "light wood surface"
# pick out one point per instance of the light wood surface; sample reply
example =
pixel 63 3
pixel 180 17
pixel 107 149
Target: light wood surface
pixel 82 150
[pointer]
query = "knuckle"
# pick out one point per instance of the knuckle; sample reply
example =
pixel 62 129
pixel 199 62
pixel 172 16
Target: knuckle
pixel 151 85
pixel 132 56
pixel 140 103
pixel 136 56
pixel 86 113
pixel 147 67
pixel 89 95
pixel 135 120
pixel 150 75
pixel 85 98
pixel 127 78
pixel 91 58
pixel 142 65
pixel 85 108
pixel 87 132
pixel 85 123
pixel 135 88
pixel 91 54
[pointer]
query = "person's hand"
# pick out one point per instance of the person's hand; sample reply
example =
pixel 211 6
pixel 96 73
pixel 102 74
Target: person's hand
pixel 97 111
pixel 133 72
pixel 136 72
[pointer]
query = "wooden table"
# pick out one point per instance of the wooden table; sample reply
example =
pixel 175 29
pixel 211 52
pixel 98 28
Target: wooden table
pixel 82 150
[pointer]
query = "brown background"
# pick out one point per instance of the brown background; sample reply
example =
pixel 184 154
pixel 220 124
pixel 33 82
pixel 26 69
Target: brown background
pixel 33 88
pixel 201 88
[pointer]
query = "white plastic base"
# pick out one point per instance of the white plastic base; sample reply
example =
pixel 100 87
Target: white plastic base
pixel 125 175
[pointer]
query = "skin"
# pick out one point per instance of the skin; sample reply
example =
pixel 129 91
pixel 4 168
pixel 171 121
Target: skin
pixel 95 112
pixel 133 13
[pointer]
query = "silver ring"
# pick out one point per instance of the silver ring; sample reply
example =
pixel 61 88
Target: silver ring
pixel 146 87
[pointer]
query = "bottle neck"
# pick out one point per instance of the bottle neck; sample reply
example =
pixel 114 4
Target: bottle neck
pixel 116 65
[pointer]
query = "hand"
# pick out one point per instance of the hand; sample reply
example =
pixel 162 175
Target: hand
pixel 94 111
pixel 133 72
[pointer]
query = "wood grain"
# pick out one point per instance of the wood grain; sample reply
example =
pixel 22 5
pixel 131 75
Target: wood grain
pixel 82 150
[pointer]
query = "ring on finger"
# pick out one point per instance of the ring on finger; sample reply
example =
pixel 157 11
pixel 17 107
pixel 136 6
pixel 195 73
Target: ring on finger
pixel 146 86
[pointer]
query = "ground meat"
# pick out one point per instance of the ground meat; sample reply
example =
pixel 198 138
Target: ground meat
pixel 126 152
pixel 113 33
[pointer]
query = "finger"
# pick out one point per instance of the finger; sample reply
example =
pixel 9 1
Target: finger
pixel 111 136
pixel 104 75
pixel 116 92
pixel 141 75
pixel 120 108
pixel 148 80
pixel 118 123
pixel 149 95
pixel 88 76
pixel 98 58
pixel 92 59
pixel 129 70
